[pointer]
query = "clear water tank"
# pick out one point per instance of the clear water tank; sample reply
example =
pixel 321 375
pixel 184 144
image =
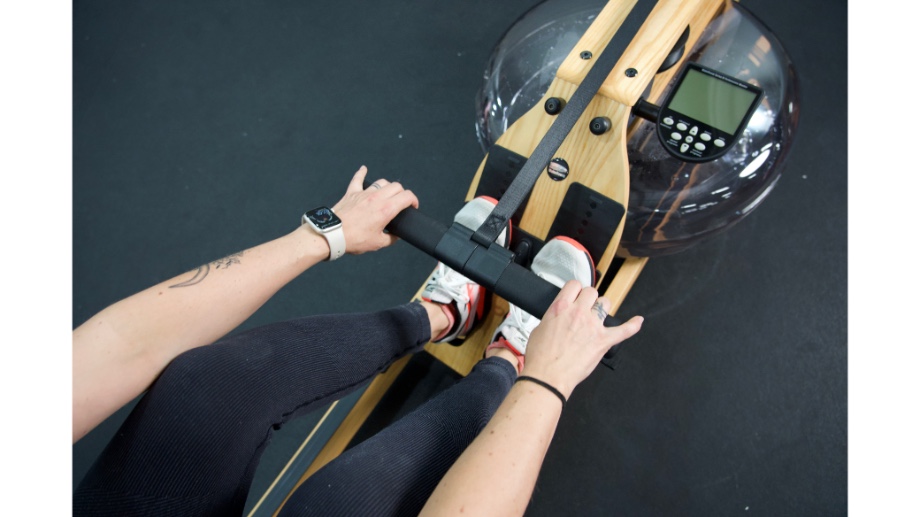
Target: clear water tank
pixel 672 204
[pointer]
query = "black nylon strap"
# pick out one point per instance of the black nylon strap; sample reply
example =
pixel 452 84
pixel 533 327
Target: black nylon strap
pixel 565 121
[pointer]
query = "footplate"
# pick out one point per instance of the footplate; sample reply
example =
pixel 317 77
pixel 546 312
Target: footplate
pixel 501 167
pixel 589 217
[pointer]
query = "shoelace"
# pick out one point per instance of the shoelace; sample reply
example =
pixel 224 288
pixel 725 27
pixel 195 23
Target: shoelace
pixel 522 322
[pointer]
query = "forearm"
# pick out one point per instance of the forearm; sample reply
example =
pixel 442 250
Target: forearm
pixel 120 351
pixel 496 474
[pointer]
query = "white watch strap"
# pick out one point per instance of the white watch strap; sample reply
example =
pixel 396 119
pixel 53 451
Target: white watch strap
pixel 336 240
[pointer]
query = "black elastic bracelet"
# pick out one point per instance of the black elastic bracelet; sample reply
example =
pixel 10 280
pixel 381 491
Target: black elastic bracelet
pixel 545 385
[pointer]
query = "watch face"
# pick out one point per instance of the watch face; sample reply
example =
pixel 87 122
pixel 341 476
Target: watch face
pixel 323 218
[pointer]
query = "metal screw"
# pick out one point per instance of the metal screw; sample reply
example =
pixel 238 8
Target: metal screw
pixel 586 54
pixel 631 72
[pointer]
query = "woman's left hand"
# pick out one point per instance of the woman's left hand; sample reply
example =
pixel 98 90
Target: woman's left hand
pixel 366 212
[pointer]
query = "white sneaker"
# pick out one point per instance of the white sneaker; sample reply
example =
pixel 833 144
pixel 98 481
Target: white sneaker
pixel 447 286
pixel 560 260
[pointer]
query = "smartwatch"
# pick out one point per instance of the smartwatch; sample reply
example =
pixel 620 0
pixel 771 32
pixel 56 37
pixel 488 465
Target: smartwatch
pixel 326 223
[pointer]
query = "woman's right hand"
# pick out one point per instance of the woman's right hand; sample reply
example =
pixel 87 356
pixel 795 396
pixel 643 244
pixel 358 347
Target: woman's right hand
pixel 571 339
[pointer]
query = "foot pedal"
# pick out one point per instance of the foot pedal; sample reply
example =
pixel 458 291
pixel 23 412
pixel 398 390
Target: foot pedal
pixel 588 217
pixel 501 167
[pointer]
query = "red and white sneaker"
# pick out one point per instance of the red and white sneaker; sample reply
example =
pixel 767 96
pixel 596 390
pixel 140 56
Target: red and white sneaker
pixel 560 260
pixel 446 286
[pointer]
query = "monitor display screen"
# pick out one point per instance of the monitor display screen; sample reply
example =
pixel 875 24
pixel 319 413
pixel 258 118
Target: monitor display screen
pixel 712 101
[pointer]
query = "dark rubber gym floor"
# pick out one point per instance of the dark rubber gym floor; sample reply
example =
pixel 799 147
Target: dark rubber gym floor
pixel 202 128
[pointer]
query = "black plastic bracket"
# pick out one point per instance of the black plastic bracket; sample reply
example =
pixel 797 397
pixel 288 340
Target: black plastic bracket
pixel 486 265
pixel 455 247
pixel 646 110
pixel 525 246
pixel 483 265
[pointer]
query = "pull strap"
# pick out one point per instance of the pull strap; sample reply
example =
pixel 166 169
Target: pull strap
pixel 565 121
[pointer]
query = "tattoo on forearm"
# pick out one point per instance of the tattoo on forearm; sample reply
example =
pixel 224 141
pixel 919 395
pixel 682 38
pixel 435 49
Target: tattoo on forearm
pixel 225 262
pixel 204 269
pixel 202 272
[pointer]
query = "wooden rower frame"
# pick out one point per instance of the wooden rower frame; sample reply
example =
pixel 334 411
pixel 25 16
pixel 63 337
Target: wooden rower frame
pixel 596 161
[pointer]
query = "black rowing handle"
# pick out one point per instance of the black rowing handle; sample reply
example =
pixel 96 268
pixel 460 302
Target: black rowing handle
pixel 514 283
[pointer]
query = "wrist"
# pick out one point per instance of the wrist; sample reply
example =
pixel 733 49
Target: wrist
pixel 325 223
pixel 309 248
pixel 549 388
pixel 556 381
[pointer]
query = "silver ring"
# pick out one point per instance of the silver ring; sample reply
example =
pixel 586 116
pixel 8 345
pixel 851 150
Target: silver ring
pixel 375 185
pixel 598 309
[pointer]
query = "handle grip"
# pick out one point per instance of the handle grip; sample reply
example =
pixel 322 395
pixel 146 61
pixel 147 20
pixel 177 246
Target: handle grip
pixel 516 284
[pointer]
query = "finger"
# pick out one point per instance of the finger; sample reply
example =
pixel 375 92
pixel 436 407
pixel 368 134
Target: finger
pixel 565 296
pixel 404 200
pixel 378 184
pixel 626 330
pixel 586 297
pixel 601 308
pixel 390 189
pixel 357 181
pixel 387 239
pixel 603 304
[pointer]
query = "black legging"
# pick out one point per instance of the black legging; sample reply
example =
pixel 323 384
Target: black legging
pixel 192 443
